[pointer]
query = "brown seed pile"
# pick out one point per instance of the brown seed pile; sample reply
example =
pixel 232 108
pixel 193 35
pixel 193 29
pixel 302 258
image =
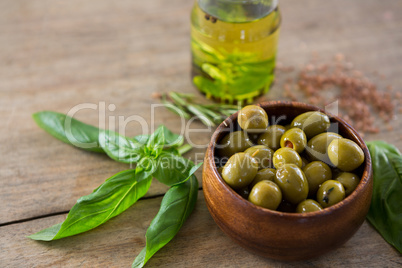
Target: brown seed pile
pixel 359 98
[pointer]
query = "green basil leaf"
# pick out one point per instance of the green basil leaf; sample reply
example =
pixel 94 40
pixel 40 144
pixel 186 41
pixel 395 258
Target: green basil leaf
pixel 177 204
pixel 385 212
pixel 120 148
pixel 142 139
pixel 156 142
pixel 113 197
pixel 172 169
pixel 172 139
pixel 69 130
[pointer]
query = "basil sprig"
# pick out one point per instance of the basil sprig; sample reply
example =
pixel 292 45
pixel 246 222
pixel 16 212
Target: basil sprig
pixel 157 155
pixel 176 206
pixel 69 130
pixel 385 212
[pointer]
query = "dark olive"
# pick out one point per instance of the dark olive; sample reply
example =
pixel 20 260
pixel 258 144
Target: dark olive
pixel 316 173
pixel 240 170
pixel 295 139
pixel 345 154
pixel 308 205
pixel 266 194
pixel 244 192
pixel 348 180
pixel 262 154
pixel 312 123
pixel 286 156
pixel 253 118
pixel 317 147
pixel 254 137
pixel 264 174
pixel 330 193
pixel 272 137
pixel 285 206
pixel 234 142
pixel 292 182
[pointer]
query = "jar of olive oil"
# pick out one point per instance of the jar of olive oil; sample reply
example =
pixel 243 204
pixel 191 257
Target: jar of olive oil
pixel 233 45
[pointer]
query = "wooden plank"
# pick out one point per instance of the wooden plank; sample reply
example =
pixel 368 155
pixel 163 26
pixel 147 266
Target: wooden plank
pixel 200 243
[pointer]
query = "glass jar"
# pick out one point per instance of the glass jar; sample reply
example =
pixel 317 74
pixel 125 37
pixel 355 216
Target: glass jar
pixel 234 45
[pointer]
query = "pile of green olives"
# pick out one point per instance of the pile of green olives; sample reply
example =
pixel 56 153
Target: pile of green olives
pixel 301 167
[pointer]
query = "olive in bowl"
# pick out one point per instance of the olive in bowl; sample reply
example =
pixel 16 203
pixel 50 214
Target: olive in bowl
pixel 284 235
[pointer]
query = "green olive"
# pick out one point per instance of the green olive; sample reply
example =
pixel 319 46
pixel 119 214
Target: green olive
pixel 263 174
pixel 312 123
pixel 286 156
pixel 294 138
pixel 234 142
pixel 349 181
pixel 272 137
pixel 262 154
pixel 308 205
pixel 345 154
pixel 330 193
pixel 317 147
pixel 293 183
pixel 240 170
pixel 316 173
pixel 253 118
pixel 266 194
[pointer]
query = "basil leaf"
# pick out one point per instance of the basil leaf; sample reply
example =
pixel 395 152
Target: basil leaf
pixel 171 139
pixel 385 212
pixel 120 148
pixel 142 139
pixel 156 142
pixel 113 197
pixel 172 169
pixel 177 204
pixel 69 130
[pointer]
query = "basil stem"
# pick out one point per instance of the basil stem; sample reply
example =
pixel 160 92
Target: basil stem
pixel 385 212
pixel 177 204
pixel 69 130
pixel 113 197
pixel 156 142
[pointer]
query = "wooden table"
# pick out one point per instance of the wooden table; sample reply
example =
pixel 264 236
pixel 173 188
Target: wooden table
pixel 56 55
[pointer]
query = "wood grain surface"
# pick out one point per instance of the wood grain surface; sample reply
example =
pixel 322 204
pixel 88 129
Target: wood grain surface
pixel 56 55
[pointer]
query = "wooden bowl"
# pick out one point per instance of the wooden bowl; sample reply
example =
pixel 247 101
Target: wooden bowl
pixel 282 235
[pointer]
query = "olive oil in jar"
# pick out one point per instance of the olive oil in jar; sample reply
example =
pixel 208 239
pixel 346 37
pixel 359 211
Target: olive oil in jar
pixel 234 45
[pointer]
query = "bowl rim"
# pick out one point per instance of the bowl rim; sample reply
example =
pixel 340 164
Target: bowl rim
pixel 364 180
